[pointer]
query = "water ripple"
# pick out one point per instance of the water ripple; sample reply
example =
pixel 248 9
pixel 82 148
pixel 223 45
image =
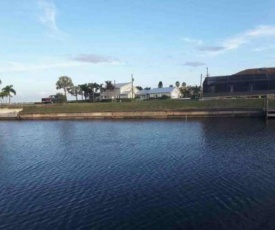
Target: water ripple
pixel 201 174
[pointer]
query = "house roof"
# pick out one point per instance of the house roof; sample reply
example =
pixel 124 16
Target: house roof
pixel 156 90
pixel 119 85
pixel 257 71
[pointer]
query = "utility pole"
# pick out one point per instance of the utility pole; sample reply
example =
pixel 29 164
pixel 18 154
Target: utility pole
pixel 114 89
pixel 132 79
pixel 201 87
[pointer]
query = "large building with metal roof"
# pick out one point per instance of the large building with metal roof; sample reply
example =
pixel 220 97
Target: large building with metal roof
pixel 247 83
pixel 171 92
pixel 120 91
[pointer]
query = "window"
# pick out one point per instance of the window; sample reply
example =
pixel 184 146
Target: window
pixel 231 88
pixel 212 89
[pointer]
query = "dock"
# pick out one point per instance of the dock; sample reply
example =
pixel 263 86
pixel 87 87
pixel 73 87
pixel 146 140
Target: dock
pixel 270 108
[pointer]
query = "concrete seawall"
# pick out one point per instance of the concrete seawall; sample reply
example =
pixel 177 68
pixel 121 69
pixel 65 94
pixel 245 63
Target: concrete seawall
pixel 142 115
pixel 7 114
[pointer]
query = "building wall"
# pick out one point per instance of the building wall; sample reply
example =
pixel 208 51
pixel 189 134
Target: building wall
pixel 175 93
pixel 156 95
pixel 117 93
pixel 126 88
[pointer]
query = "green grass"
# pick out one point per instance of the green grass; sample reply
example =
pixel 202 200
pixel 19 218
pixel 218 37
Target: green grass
pixel 154 105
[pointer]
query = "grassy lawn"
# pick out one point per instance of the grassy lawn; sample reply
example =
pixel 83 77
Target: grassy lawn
pixel 155 105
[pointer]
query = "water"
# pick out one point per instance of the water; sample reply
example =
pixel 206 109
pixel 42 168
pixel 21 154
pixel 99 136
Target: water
pixel 200 174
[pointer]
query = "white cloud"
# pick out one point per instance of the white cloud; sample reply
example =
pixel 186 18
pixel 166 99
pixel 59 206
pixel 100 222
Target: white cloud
pixel 21 67
pixel 246 37
pixel 263 48
pixel 210 48
pixel 193 41
pixel 95 59
pixel 194 63
pixel 239 40
pixel 48 17
pixel 262 31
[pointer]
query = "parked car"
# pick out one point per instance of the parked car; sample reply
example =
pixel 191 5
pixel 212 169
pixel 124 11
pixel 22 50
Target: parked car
pixel 50 99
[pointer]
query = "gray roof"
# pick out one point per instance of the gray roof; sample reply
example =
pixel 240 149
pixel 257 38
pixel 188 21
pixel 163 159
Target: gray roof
pixel 119 85
pixel 156 91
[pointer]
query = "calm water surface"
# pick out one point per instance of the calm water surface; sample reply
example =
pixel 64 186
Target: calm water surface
pixel 201 174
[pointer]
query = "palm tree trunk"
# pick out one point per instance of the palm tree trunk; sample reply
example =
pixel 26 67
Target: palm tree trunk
pixel 65 92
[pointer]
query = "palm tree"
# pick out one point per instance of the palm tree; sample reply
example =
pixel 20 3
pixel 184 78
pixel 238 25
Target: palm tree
pixel 93 88
pixel 196 91
pixel 160 85
pixel 109 87
pixel 7 91
pixel 64 83
pixel 75 91
pixel 85 89
pixel 3 94
pixel 177 84
pixel 101 88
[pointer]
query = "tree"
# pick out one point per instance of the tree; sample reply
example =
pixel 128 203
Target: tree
pixel 3 94
pixel 193 92
pixel 60 98
pixel 183 84
pixel 177 84
pixel 109 87
pixel 64 83
pixel 160 85
pixel 85 89
pixel 196 92
pixel 139 87
pixel 101 88
pixel 75 91
pixel 170 85
pixel 7 91
pixel 147 88
pixel 92 89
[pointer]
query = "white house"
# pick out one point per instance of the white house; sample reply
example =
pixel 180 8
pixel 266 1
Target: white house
pixel 121 90
pixel 172 92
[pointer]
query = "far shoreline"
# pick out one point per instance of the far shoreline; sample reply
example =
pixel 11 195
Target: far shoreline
pixel 145 115
pixel 155 109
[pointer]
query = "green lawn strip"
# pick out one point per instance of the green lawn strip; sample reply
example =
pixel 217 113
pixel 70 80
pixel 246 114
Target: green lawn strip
pixel 156 105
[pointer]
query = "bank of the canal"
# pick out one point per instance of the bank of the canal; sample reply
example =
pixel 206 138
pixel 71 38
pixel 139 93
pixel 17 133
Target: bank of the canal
pixel 155 109
pixel 144 115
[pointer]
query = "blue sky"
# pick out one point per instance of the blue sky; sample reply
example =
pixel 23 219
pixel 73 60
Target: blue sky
pixel 99 40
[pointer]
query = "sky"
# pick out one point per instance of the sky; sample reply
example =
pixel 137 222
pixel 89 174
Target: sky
pixel 155 40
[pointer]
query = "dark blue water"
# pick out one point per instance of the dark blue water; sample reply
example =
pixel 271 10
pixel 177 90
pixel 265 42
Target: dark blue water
pixel 201 174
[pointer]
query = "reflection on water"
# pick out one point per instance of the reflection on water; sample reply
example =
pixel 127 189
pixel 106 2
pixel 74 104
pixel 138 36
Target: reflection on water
pixel 197 174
